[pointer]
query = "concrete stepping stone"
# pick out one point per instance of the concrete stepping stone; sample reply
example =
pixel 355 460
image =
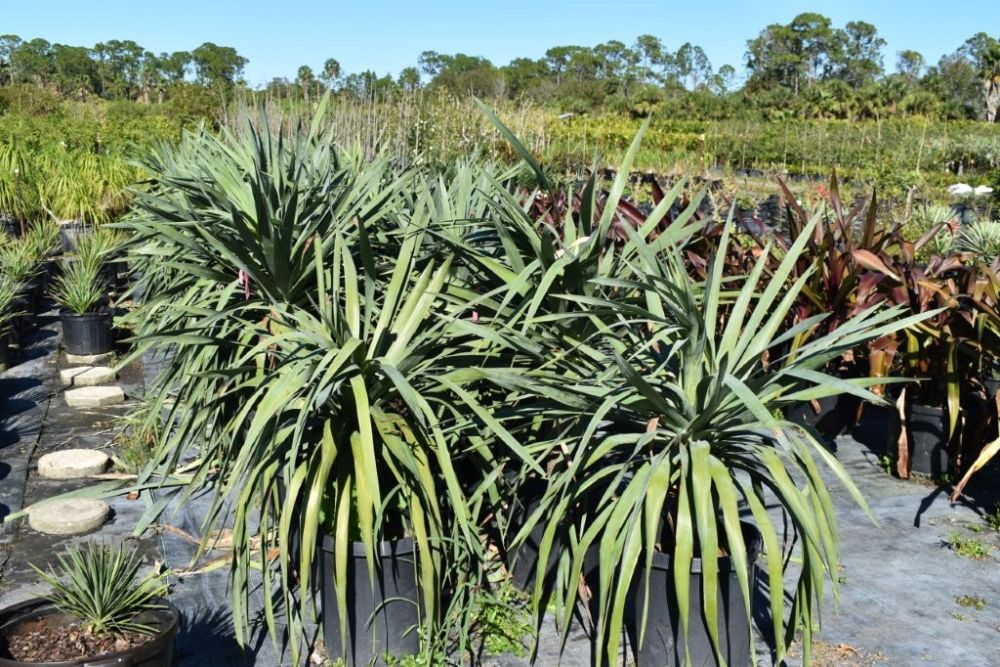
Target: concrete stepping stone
pixel 73 463
pixel 94 397
pixel 68 516
pixel 89 359
pixel 87 376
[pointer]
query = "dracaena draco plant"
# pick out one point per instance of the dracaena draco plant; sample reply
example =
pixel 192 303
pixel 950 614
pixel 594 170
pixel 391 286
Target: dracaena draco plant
pixel 556 237
pixel 322 362
pixel 521 259
pixel 674 428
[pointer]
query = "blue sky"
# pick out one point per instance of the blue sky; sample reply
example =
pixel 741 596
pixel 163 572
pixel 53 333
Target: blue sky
pixel 387 35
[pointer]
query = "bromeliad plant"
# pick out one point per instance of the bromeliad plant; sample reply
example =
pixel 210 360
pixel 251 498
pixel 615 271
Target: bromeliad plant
pixel 679 429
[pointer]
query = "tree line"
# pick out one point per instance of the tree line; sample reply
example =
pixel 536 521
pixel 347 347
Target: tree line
pixel 116 69
pixel 807 68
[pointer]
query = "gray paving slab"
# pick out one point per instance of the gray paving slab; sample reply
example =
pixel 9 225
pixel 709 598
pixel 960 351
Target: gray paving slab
pixel 26 387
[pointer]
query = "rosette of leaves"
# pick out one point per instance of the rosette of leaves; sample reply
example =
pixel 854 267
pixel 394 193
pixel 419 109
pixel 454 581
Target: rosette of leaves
pixel 18 261
pixel 100 586
pixel 674 428
pixel 79 287
pixel 326 368
pixel 8 310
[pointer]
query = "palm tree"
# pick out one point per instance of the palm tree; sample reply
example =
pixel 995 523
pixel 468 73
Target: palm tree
pixel 331 72
pixel 306 79
pixel 990 73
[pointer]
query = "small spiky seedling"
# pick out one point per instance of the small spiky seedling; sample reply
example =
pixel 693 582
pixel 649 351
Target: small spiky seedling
pixel 17 261
pixel 43 239
pixel 8 310
pixel 981 239
pixel 79 286
pixel 100 586
pixel 98 247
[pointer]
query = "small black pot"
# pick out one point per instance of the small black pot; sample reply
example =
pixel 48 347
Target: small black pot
pixel 49 271
pixel 380 622
pixel 24 321
pixel 71 232
pixel 87 333
pixel 928 431
pixel 118 274
pixel 11 226
pixel 157 652
pixel 26 297
pixel 664 639
pixel 3 352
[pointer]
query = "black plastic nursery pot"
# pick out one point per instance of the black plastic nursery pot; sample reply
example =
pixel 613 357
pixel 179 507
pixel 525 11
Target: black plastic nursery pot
pixel 830 415
pixel 878 429
pixel 70 234
pixel 522 561
pixel 87 333
pixel 382 620
pixel 26 297
pixel 49 271
pixel 11 226
pixel 3 352
pixel 24 321
pixel 157 652
pixel 928 438
pixel 664 640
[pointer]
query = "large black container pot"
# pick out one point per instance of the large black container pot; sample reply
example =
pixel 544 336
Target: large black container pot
pixel 157 652
pixel 878 429
pixel 522 561
pixel 70 234
pixel 87 333
pixel 835 414
pixel 992 418
pixel 664 640
pixel 928 431
pixel 381 621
